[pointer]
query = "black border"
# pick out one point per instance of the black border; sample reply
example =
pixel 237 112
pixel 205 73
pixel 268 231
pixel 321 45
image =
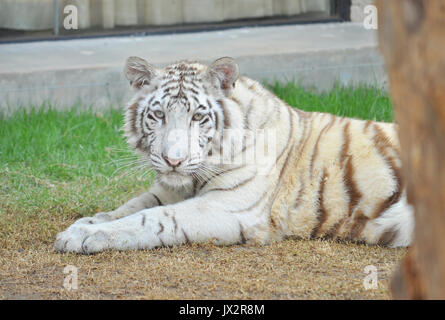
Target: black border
pixel 273 309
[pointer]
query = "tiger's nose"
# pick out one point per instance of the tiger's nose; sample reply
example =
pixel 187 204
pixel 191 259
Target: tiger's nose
pixel 173 162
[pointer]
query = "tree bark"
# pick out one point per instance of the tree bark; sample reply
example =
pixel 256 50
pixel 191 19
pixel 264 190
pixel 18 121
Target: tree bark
pixel 412 40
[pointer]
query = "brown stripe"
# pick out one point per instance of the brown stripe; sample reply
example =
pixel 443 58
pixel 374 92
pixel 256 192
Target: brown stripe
pixel 272 222
pixel 332 232
pixel 354 194
pixel 380 138
pixel 194 84
pixel 157 199
pixel 255 204
pixel 142 117
pixel 291 125
pixel 216 119
pixel 241 233
pixel 348 172
pixel 156 103
pixel 234 187
pixel 133 115
pixel 300 192
pixel 252 87
pixel 149 116
pixel 278 185
pixel 168 82
pixel 175 223
pixel 322 213
pixel 193 90
pixel 358 225
pixel 234 99
pixel 167 94
pixel 381 142
pixel 187 240
pixel 367 124
pixel 139 143
pixel 315 152
pixel 195 98
pixel 346 142
pixel 210 104
pixel 143 220
pixel 291 132
pixel 218 174
pixel 150 100
pixel 161 226
pixel 387 203
pixel 350 186
pixel 387 237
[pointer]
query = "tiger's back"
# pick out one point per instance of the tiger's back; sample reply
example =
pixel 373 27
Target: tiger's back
pixel 339 177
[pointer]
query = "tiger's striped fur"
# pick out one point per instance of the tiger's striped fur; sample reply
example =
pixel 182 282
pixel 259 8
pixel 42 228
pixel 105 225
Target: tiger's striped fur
pixel 332 177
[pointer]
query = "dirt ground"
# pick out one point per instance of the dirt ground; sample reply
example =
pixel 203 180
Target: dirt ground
pixel 292 269
pixel 33 212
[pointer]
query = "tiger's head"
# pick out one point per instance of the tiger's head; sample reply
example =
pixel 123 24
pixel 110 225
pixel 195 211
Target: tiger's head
pixel 175 117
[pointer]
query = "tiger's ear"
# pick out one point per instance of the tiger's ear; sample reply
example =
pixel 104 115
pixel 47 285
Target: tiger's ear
pixel 223 73
pixel 139 72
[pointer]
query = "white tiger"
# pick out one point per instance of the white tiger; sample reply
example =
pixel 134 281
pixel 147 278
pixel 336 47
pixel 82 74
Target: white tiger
pixel 330 177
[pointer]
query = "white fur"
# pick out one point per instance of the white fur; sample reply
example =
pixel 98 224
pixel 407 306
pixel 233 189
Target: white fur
pixel 302 190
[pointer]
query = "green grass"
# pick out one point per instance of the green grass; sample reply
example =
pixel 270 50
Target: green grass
pixel 74 161
pixel 65 161
pixel 63 144
pixel 367 103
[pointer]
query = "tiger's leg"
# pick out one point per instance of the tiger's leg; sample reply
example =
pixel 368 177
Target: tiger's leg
pixel 157 196
pixel 196 220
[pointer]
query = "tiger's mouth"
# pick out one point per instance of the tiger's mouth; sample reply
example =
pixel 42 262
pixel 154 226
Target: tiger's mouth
pixel 176 179
pixel 176 173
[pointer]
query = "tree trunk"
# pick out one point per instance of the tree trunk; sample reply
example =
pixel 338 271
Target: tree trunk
pixel 412 40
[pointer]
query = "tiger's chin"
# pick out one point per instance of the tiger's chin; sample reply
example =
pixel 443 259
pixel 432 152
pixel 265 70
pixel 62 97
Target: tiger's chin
pixel 175 180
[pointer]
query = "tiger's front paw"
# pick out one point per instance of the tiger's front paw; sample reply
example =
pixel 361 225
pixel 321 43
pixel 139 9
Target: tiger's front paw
pixel 84 239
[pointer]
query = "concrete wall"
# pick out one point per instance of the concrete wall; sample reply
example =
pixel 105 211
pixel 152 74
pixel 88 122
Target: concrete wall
pixel 26 14
pixel 91 70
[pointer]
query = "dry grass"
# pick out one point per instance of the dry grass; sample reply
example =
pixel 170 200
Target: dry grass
pixel 292 269
pixel 285 270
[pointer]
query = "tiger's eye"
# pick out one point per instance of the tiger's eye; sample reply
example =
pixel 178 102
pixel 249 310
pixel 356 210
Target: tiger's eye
pixel 159 114
pixel 197 117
